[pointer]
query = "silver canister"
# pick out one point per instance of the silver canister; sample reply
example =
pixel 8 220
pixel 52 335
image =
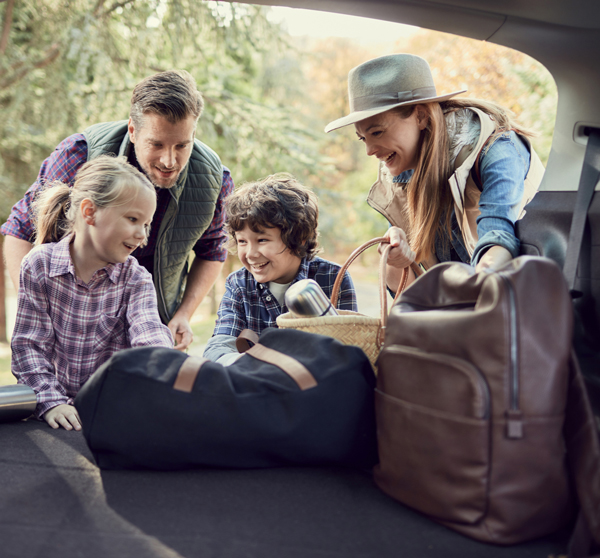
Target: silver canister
pixel 17 402
pixel 306 299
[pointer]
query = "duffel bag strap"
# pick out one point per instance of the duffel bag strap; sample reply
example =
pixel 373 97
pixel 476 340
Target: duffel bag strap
pixel 293 368
pixel 245 340
pixel 187 373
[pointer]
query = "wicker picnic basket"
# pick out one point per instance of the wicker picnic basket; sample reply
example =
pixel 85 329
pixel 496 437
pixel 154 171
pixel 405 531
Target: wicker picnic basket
pixel 352 328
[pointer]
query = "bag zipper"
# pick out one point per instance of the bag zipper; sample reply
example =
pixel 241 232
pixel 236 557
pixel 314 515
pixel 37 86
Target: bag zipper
pixel 514 416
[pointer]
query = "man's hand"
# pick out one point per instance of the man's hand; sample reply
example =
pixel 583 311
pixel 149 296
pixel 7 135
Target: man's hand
pixel 63 415
pixel 182 331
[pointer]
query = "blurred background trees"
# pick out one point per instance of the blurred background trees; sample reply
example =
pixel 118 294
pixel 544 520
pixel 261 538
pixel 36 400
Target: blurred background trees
pixel 65 64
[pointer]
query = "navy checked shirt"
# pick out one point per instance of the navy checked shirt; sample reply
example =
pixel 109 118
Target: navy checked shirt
pixel 62 165
pixel 248 304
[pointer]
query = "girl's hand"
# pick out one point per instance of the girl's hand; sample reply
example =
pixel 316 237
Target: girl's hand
pixel 400 255
pixel 63 415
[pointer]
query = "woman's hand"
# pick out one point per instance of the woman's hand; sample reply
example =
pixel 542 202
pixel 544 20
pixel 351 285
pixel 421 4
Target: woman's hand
pixel 400 255
pixel 494 259
pixel 63 415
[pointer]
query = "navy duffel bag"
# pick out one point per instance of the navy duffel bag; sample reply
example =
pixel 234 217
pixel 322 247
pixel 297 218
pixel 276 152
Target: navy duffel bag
pixel 295 398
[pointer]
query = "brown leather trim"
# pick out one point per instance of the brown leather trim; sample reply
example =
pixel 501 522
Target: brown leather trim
pixel 296 370
pixel 245 340
pixel 187 373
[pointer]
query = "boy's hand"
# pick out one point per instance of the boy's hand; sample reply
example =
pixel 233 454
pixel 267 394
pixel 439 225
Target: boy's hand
pixel 63 415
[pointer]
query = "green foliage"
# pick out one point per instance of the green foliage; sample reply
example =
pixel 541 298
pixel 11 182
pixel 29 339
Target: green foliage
pixel 66 64
pixel 70 63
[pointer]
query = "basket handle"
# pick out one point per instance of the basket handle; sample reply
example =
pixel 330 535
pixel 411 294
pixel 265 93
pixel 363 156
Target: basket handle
pixel 335 293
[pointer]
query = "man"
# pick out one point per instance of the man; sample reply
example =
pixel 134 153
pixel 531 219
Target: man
pixel 191 185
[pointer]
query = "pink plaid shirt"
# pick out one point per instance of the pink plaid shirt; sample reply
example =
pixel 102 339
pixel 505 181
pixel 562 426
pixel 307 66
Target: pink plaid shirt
pixel 66 329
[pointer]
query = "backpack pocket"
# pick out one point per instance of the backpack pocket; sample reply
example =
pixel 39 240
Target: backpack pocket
pixel 433 433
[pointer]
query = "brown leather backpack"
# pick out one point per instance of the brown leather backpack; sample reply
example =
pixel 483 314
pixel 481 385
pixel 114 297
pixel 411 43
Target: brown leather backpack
pixel 481 410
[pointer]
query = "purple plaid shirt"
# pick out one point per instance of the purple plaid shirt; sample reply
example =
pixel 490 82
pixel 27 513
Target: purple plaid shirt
pixel 66 329
pixel 248 304
pixel 63 164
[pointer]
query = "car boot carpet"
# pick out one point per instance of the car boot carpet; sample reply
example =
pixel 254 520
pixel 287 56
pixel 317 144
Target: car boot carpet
pixel 55 503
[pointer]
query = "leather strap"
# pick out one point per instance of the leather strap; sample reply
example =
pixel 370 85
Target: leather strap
pixel 590 174
pixel 382 268
pixel 296 370
pixel 245 340
pixel 340 276
pixel 187 374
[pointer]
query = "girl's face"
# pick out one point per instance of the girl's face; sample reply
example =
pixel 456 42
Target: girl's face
pixel 392 139
pixel 266 256
pixel 116 231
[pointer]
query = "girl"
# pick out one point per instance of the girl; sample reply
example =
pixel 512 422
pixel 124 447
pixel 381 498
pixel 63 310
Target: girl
pixel 81 296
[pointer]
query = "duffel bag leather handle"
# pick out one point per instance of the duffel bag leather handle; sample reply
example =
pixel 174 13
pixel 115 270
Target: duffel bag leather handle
pixel 293 368
pixel 187 374
pixel 245 340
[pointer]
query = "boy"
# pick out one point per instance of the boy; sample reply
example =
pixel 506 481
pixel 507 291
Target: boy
pixel 272 223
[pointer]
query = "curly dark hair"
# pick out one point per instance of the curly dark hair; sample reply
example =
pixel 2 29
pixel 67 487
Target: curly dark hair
pixel 278 201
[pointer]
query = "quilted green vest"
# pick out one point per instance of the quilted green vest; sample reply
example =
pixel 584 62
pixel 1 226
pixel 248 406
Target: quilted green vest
pixel 188 215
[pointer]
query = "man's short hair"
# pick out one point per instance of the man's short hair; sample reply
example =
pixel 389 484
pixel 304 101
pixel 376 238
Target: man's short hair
pixel 172 94
pixel 279 201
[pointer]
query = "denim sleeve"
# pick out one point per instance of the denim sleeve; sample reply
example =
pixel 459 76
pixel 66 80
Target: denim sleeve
pixel 503 168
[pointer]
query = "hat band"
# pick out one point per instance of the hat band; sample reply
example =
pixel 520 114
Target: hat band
pixel 369 102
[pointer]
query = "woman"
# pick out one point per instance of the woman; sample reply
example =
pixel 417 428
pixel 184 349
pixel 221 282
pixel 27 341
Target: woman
pixel 454 175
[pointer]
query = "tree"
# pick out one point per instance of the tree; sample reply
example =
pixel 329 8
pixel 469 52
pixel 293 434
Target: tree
pixel 69 63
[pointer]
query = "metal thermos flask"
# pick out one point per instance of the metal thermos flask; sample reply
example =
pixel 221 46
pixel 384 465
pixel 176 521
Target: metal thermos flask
pixel 306 299
pixel 17 402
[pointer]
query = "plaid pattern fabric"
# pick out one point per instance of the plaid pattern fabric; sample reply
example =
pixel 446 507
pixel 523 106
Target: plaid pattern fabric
pixel 65 329
pixel 62 165
pixel 248 304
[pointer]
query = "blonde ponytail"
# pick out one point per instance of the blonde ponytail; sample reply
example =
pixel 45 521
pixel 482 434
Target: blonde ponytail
pixel 51 209
pixel 102 180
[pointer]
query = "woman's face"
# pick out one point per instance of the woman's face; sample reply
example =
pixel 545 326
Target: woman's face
pixel 392 139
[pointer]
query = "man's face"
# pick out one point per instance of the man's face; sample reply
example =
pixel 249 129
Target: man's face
pixel 163 149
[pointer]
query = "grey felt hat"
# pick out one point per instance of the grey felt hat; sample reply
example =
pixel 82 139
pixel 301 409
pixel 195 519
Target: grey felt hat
pixel 385 83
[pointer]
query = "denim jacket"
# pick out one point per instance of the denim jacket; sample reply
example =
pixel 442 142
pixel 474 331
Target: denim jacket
pixel 510 173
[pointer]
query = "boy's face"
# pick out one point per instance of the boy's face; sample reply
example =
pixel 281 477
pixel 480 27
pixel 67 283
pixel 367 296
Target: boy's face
pixel 266 256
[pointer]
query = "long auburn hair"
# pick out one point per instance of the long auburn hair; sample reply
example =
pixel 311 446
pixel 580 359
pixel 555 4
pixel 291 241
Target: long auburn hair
pixel 429 199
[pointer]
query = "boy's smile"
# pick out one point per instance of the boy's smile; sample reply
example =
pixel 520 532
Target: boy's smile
pixel 266 256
